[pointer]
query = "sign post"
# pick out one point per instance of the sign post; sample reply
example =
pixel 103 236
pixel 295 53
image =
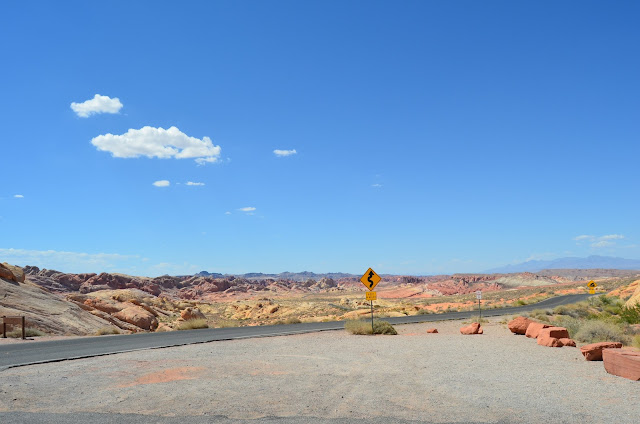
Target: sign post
pixel 370 279
pixel 479 297
pixel 592 287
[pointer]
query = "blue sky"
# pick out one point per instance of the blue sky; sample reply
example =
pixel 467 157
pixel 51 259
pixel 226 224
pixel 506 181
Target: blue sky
pixel 429 137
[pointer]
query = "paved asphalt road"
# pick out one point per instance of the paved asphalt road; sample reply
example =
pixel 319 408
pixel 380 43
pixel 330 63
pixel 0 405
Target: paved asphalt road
pixel 19 354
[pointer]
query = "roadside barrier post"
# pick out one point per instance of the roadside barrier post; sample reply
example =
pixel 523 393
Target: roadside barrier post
pixel 479 297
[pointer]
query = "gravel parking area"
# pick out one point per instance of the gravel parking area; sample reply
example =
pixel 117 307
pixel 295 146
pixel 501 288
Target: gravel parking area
pixel 329 377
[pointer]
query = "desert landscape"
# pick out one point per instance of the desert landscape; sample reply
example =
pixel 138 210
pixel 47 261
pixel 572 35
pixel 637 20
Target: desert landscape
pixel 62 304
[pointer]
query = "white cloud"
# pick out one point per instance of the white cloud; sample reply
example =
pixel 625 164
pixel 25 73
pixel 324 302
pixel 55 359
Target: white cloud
pixel 376 185
pixel 18 196
pixel 162 183
pixel 227 213
pixel 612 237
pixel 247 209
pixel 158 143
pixel 602 243
pixel 583 237
pixel 99 104
pixel 190 183
pixel 282 153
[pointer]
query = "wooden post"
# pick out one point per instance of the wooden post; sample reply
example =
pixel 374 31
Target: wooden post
pixel 4 329
pixel 23 330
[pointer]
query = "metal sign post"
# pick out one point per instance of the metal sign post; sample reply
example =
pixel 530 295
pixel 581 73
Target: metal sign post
pixel 479 297
pixel 370 279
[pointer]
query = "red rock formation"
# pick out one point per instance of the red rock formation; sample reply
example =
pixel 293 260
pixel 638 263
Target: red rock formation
pixel 567 342
pixel 137 316
pixel 519 325
pixel 191 313
pixel 545 340
pixel 473 328
pixel 534 329
pixel 11 272
pixel 593 351
pixel 622 362
pixel 432 330
pixel 555 332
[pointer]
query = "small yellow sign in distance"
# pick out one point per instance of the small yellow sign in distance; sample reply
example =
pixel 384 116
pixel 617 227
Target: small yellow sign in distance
pixel 371 295
pixel 370 279
pixel 592 291
pixel 592 284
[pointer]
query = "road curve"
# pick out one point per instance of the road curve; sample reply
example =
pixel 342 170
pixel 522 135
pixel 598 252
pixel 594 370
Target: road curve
pixel 21 354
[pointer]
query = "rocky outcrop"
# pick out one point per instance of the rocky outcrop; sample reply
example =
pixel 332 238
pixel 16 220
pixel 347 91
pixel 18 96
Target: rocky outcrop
pixel 534 329
pixel 519 325
pixel 635 297
pixel 473 328
pixel 552 336
pixel 137 316
pixel 11 272
pixel 593 351
pixel 192 313
pixel 622 362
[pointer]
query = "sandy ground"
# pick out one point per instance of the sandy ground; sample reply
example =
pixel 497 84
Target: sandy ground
pixel 329 377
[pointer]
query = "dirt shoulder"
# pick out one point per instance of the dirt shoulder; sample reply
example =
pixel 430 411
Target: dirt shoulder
pixel 445 377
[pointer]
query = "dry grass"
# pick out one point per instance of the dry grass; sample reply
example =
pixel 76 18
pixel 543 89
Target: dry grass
pixel 364 327
pixel 193 324
pixel 16 333
pixel 107 330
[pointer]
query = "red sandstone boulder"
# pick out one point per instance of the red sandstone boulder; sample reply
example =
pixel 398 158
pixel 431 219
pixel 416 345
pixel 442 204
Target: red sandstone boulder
pixel 432 330
pixel 192 313
pixel 555 332
pixel 567 342
pixel 534 329
pixel 107 306
pixel 593 351
pixel 11 272
pixel 473 328
pixel 138 316
pixel 519 325
pixel 546 340
pixel 622 362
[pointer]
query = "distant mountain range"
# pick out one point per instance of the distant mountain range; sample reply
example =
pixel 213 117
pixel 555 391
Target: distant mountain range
pixel 293 276
pixel 590 262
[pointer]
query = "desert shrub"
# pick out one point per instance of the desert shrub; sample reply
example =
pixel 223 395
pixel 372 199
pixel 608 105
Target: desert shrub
pixel 631 314
pixel 290 320
pixel 423 312
pixel 28 332
pixel 540 315
pixel 192 324
pixel 107 330
pixel 578 310
pixel 636 342
pixel 571 324
pixel 521 302
pixel 593 331
pixel 364 327
pixel 226 323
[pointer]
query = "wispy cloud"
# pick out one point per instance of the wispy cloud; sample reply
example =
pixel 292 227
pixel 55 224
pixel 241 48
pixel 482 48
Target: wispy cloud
pixel 162 183
pixel 158 143
pixel 247 209
pixel 99 104
pixel 376 185
pixel 227 213
pixel 282 153
pixel 597 242
pixel 191 183
pixel 18 196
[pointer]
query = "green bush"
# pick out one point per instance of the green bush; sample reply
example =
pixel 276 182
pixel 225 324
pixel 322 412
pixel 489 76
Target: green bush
pixel 364 327
pixel 594 331
pixel 423 312
pixel 636 342
pixel 193 324
pixel 578 310
pixel 631 314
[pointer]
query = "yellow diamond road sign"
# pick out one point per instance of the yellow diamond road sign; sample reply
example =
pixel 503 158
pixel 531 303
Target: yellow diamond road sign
pixel 592 284
pixel 371 295
pixel 370 279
